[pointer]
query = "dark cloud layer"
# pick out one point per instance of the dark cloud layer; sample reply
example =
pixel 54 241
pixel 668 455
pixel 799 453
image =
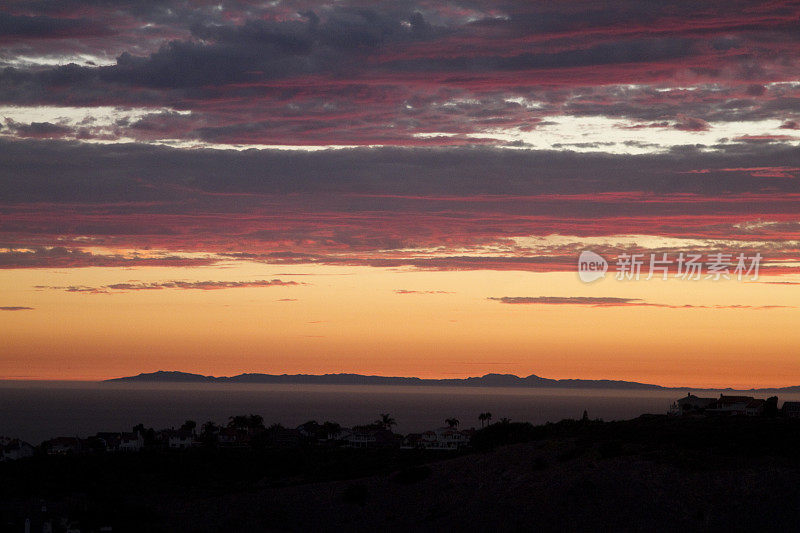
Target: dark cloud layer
pixel 432 82
pixel 366 206
pixel 307 72
pixel 72 172
pixel 61 257
pixel 45 27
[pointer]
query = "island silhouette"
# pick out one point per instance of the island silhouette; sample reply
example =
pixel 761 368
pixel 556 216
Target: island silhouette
pixel 487 380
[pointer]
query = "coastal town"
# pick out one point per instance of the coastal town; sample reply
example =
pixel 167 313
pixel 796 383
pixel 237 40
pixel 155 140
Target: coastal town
pixel 249 431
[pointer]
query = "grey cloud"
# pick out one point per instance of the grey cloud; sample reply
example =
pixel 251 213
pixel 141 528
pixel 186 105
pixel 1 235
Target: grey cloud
pixel 68 172
pixel 58 257
pixel 234 53
pixel 38 129
pixel 33 27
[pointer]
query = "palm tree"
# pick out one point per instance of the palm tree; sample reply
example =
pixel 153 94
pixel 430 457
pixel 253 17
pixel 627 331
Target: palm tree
pixel 255 422
pixel 209 428
pixel 386 421
pixel 239 422
pixel 209 432
pixel 485 417
pixel 452 422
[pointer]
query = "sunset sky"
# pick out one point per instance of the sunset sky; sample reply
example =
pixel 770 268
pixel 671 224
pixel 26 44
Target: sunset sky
pixel 398 188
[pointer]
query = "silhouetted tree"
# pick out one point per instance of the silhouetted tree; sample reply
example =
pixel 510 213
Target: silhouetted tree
pixel 452 422
pixel 209 433
pixel 255 422
pixel 771 406
pixel 505 421
pixel 585 416
pixel 386 421
pixel 189 425
pixel 238 422
pixel 251 423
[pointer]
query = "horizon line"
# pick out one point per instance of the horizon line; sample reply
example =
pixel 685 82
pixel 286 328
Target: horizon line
pixel 666 387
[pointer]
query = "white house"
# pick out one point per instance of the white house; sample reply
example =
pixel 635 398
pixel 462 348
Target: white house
pixel 439 439
pixel 369 438
pixel 131 442
pixel 361 439
pixel 443 439
pixel 232 437
pixel 180 439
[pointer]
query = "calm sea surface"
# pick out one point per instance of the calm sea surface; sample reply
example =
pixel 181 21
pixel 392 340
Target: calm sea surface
pixel 36 411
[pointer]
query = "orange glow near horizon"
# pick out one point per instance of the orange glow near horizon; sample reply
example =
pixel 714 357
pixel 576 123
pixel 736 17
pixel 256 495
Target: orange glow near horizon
pixel 352 319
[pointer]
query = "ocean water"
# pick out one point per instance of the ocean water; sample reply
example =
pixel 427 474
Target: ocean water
pixel 36 411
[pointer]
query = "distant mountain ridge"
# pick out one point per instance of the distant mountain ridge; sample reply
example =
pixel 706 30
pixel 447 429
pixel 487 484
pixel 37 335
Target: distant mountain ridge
pixel 488 380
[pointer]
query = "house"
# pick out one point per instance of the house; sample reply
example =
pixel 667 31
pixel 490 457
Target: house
pixel 732 405
pixel 367 437
pixel 16 449
pixel 232 437
pixel 361 438
pixel 336 433
pixel 691 404
pixel 755 407
pixel 411 441
pixel 727 405
pixel 310 430
pixel 131 442
pixel 791 409
pixel 178 439
pixel 285 437
pixel 63 446
pixel 443 439
pixel 109 440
